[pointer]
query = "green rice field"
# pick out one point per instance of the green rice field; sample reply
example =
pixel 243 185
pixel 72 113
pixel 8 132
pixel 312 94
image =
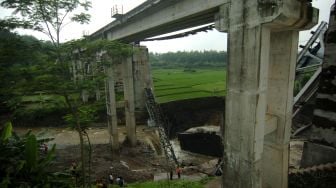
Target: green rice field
pixel 176 84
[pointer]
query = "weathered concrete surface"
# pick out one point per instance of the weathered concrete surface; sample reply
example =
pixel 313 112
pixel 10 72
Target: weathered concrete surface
pixel 129 100
pixel 281 78
pixel 131 75
pixel 112 109
pixel 263 39
pixel 142 76
pixel 316 154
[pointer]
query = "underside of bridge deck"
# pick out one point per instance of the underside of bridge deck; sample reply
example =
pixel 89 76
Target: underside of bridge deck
pixel 158 17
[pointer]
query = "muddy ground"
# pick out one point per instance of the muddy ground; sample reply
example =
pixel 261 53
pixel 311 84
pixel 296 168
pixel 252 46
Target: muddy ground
pixel 138 163
pixel 146 160
pixel 133 164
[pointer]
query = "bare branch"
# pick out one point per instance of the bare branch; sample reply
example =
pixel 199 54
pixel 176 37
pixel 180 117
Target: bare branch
pixel 47 25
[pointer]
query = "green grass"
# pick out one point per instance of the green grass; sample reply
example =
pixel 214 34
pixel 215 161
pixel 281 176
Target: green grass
pixel 169 184
pixel 175 84
pixel 169 85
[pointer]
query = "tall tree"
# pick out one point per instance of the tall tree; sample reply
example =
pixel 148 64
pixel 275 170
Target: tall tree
pixel 47 16
pixel 50 17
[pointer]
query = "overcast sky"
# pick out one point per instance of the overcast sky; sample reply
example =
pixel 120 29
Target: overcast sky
pixel 212 40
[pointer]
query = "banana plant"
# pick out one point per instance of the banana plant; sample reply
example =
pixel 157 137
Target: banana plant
pixel 22 165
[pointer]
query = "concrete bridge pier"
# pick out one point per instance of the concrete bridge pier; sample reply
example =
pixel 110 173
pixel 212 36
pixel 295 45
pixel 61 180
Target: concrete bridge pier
pixel 262 48
pixel 129 100
pixel 111 109
pixel 134 73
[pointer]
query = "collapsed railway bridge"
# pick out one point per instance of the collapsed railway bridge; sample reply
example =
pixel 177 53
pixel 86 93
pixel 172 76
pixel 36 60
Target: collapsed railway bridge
pixel 262 51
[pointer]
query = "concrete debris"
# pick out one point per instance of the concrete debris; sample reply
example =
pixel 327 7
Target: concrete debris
pixel 124 164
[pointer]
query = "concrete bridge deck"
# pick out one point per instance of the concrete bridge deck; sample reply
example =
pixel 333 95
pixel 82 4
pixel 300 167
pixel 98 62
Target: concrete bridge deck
pixel 157 17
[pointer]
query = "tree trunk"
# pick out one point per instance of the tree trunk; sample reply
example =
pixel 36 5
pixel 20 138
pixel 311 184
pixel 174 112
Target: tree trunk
pixel 80 134
pixel 82 151
pixel 90 155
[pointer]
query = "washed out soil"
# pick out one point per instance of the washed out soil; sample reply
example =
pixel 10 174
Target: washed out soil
pixel 132 163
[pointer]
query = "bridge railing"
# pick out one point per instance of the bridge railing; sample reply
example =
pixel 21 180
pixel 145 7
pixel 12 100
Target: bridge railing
pixel 310 60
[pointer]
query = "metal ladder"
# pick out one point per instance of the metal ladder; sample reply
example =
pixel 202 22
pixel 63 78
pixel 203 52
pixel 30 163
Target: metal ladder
pixel 307 55
pixel 155 114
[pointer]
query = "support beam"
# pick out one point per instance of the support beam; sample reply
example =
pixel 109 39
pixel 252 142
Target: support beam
pixel 245 106
pixel 129 100
pixel 112 112
pixel 281 76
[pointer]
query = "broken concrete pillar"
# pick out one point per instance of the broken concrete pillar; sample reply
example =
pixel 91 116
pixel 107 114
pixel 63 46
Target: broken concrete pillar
pixel 111 110
pixel 129 100
pixel 262 52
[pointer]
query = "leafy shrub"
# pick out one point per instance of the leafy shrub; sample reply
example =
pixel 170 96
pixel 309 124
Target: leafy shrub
pixel 23 165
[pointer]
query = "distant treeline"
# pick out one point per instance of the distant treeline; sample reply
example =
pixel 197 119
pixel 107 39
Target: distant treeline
pixel 193 59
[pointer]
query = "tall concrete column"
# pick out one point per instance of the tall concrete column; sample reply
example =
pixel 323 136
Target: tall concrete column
pixel 112 112
pixel 262 48
pixel 245 106
pixel 129 100
pixel 281 77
